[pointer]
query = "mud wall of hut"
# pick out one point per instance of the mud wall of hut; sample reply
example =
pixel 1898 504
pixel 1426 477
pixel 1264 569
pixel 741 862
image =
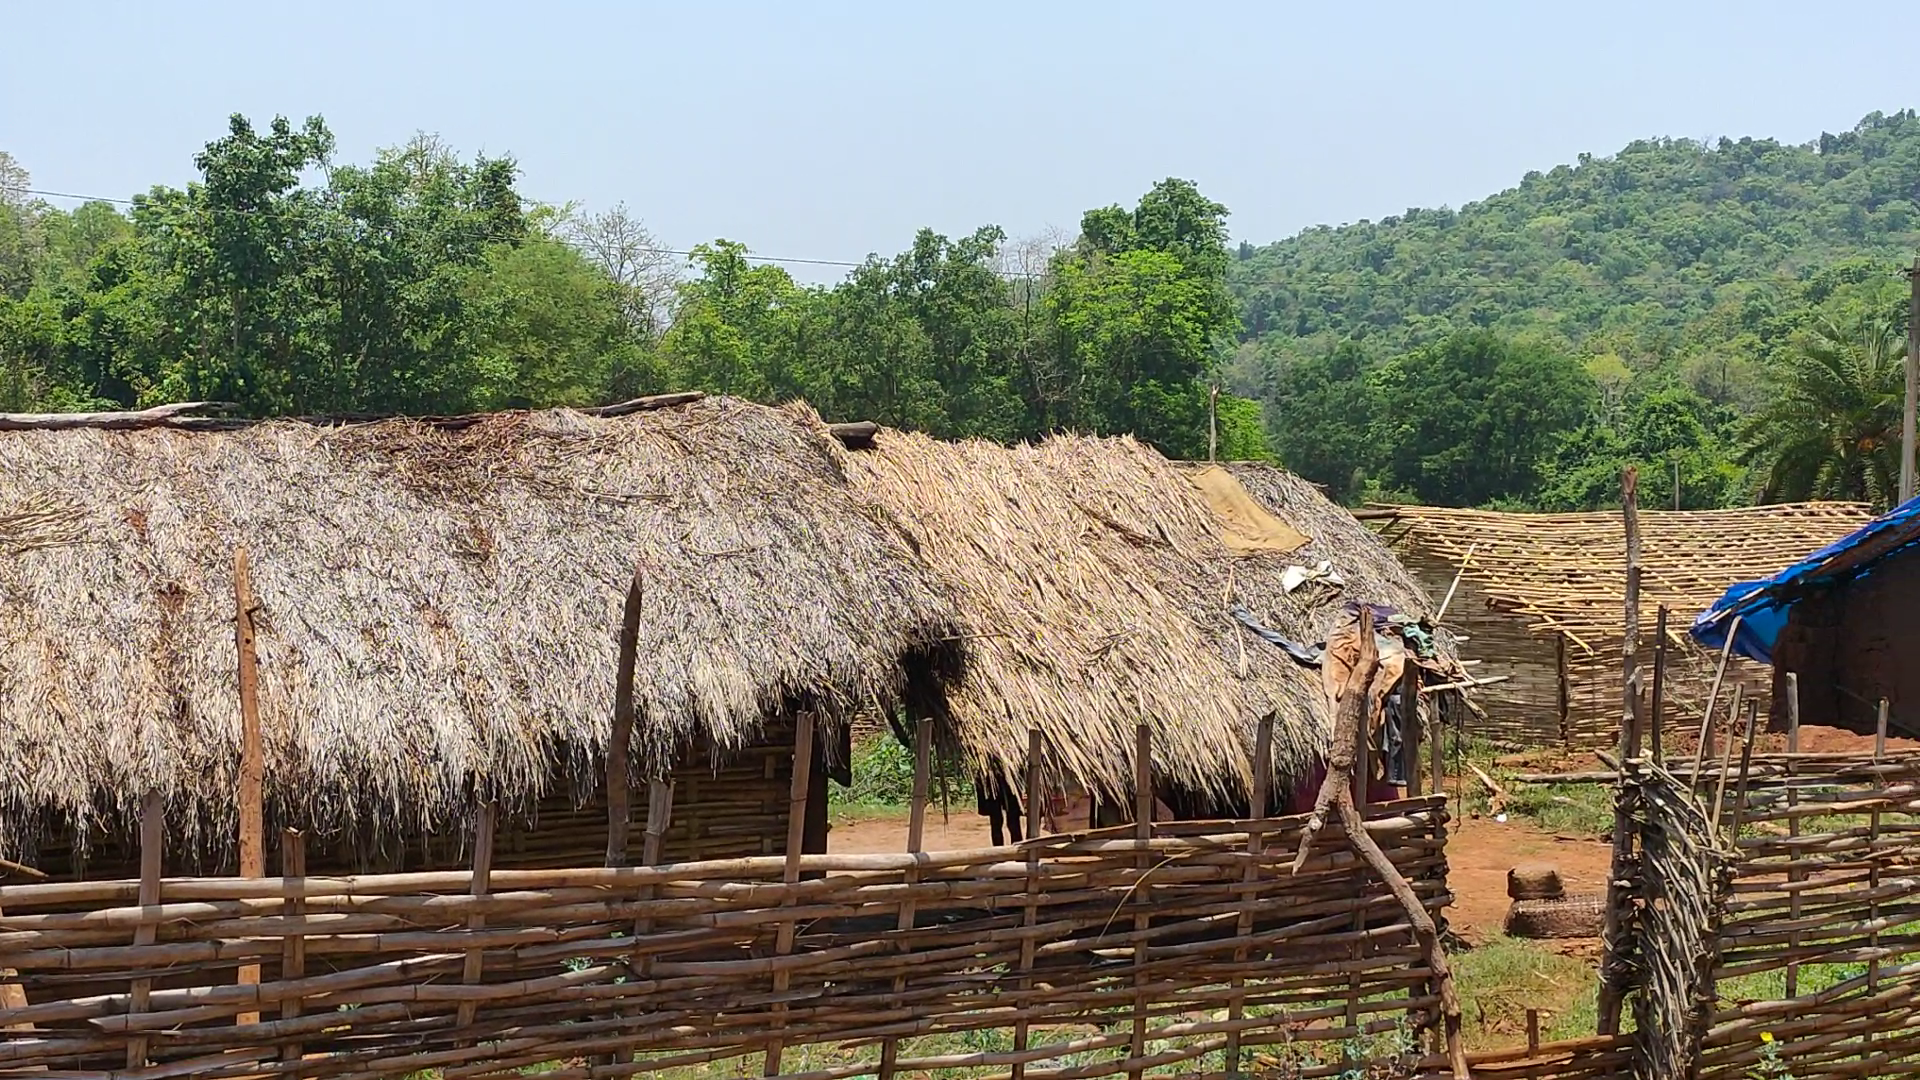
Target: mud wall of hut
pixel 1850 650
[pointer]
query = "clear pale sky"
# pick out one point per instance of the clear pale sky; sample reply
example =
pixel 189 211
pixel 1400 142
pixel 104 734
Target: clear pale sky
pixel 831 130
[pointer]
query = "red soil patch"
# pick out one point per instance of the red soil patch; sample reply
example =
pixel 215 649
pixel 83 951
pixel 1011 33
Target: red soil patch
pixel 1480 851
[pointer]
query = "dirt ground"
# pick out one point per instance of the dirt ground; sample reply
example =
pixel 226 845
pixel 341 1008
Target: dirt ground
pixel 1479 853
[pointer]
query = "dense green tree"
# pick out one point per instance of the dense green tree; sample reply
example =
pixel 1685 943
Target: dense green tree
pixel 1473 418
pixel 1832 427
pixel 1321 412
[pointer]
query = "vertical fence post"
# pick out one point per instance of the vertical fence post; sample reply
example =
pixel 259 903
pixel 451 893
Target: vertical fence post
pixel 1793 825
pixel 1746 763
pixel 652 852
pixel 1030 911
pixel 253 840
pixel 790 877
pixel 1362 781
pixel 293 953
pixel 478 888
pixel 1613 975
pixel 620 742
pixel 1726 755
pixel 1873 852
pixel 1142 892
pixel 1656 716
pixel 153 835
pixel 1250 876
pixel 916 836
pixel 1703 747
pixel 1410 727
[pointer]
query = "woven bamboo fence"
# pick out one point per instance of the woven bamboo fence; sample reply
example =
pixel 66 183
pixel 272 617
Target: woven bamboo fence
pixel 1772 924
pixel 1122 951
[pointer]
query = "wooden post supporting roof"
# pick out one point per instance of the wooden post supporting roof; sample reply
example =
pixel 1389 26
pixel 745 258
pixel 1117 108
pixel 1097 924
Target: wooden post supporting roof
pixel 253 841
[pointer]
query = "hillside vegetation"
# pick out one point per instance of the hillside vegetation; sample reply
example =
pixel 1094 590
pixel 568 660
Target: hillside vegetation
pixel 1652 306
pixel 1730 317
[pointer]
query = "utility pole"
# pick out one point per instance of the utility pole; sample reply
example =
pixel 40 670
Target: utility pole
pixel 1913 381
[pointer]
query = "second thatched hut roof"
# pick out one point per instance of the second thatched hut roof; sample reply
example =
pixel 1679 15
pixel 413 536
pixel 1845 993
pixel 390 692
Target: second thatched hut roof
pixel 1095 589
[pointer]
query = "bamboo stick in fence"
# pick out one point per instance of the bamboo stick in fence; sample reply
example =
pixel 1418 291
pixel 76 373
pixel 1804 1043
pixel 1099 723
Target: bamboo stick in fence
pixel 471 967
pixel 1726 757
pixel 152 840
pixel 1793 823
pixel 916 834
pixel 1410 727
pixel 790 875
pixel 1703 746
pixel 1656 718
pixel 1256 842
pixel 1746 766
pixel 1142 832
pixel 1029 913
pixel 293 951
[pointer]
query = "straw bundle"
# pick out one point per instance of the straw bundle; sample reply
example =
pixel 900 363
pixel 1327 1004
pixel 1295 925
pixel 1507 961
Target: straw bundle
pixel 437 608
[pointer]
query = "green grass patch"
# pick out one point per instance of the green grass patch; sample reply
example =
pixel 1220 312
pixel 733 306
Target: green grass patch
pixel 1500 980
pixel 883 780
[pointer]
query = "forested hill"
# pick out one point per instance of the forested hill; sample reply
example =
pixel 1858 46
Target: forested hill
pixel 1654 249
pixel 1734 310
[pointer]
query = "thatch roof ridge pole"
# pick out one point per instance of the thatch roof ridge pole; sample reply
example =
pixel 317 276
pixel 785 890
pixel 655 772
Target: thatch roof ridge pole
pixel 253 839
pixel 157 416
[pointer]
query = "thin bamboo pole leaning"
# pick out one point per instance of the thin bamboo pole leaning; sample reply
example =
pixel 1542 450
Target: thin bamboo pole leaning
pixel 916 837
pixel 1465 560
pixel 790 876
pixel 253 841
pixel 1713 696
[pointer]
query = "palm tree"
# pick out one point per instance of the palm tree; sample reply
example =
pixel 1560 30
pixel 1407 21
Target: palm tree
pixel 1832 429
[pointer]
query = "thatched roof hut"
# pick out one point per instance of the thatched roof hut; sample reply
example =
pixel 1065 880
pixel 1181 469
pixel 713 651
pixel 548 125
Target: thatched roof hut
pixel 437 608
pixel 1095 590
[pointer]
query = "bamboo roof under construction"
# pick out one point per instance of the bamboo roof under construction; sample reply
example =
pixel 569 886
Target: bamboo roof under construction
pixel 1567 573
pixel 1095 591
pixel 437 606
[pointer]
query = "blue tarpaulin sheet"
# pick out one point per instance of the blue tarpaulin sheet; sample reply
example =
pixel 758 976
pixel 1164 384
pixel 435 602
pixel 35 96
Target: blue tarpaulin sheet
pixel 1763 606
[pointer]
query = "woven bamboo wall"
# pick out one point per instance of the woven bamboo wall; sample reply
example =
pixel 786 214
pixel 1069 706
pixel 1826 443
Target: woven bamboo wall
pixel 733 809
pixel 1122 953
pixel 1523 710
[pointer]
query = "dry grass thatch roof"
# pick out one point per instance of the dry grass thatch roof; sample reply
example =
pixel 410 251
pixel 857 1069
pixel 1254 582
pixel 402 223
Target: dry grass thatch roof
pixel 1095 592
pixel 437 608
pixel 1567 573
